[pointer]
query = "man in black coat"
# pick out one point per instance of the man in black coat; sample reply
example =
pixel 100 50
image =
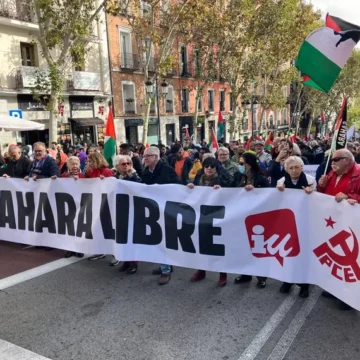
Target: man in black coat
pixel 43 166
pixel 19 166
pixel 159 172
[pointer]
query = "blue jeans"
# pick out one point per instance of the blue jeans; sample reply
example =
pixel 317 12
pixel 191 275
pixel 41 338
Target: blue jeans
pixel 165 269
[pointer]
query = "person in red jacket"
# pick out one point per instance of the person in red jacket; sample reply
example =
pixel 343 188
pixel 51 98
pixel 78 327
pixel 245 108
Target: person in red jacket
pixel 343 182
pixel 97 167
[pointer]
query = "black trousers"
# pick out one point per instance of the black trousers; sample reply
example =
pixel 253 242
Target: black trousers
pixel 302 286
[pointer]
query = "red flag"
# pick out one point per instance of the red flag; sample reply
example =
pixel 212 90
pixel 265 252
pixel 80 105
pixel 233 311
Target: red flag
pixel 322 118
pixel 270 138
pixel 248 144
pixel 214 146
pixel 340 118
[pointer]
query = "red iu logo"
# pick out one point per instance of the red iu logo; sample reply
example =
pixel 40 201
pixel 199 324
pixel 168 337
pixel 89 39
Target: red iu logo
pixel 273 234
pixel 343 265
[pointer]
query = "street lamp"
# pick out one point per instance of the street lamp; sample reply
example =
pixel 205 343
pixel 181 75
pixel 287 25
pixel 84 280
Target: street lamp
pixel 149 87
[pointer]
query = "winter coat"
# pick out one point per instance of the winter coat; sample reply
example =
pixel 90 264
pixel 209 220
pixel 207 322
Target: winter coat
pixel 137 165
pixel 19 168
pixel 162 174
pixel 260 181
pixel 224 178
pixel 132 177
pixel 352 187
pixel 275 171
pixel 195 169
pixel 48 169
pixel 95 173
pixel 231 167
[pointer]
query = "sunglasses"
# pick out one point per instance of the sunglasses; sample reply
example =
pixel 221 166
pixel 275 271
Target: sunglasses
pixel 337 159
pixel 210 167
pixel 127 163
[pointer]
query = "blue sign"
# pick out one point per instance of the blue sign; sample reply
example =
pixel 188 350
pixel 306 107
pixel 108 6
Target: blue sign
pixel 16 113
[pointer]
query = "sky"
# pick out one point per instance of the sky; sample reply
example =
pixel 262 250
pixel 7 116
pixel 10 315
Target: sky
pixel 348 10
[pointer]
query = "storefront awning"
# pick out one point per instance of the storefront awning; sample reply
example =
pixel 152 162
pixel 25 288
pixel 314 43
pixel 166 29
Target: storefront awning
pixel 88 121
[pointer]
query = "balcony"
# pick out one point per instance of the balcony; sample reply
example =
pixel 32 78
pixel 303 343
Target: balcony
pixel 29 76
pixel 83 81
pixel 18 10
pixel 129 107
pixel 129 62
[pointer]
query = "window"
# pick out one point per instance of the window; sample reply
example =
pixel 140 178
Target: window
pixel 246 121
pixel 271 121
pixel 232 105
pixel 278 117
pixel 126 56
pixel 145 8
pixel 28 57
pixel 184 67
pixel 185 100
pixel 285 116
pixel 169 100
pixel 200 104
pixel 197 63
pixel 210 100
pixel 222 100
pixel 79 62
pixel 129 97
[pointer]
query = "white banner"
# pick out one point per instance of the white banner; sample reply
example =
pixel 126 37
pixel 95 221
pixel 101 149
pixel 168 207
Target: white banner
pixel 311 169
pixel 289 236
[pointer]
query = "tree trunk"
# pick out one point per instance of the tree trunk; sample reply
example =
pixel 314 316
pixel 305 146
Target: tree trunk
pixel 261 120
pixel 53 118
pixel 232 123
pixel 310 124
pixel 146 123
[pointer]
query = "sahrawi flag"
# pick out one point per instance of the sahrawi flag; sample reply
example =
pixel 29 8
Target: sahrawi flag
pixel 110 139
pixel 324 53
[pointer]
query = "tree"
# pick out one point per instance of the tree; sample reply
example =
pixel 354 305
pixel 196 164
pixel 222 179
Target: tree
pixel 65 29
pixel 155 26
pixel 260 41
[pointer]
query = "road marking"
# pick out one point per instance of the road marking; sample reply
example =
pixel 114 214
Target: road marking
pixel 10 351
pixel 262 337
pixel 35 272
pixel 282 347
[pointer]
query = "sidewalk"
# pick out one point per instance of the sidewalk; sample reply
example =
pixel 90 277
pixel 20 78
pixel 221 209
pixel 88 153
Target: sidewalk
pixel 14 258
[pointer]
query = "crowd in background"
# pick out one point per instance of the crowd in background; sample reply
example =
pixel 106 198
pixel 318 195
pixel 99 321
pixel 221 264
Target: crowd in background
pixel 250 165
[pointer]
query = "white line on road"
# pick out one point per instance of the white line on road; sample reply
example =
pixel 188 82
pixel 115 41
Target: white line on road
pixel 262 337
pixel 38 271
pixel 290 334
pixel 10 351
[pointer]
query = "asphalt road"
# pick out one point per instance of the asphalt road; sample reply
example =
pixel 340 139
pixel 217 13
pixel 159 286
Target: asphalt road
pixel 88 310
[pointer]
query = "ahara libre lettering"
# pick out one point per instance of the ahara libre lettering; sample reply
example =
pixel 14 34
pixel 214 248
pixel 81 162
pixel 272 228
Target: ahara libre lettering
pixel 73 220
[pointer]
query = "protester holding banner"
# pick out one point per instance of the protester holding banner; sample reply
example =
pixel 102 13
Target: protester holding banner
pixel 159 172
pixel 295 178
pixel 215 177
pixel 18 166
pixel 226 163
pixel 73 169
pixel 43 166
pixel 343 182
pixel 125 171
pixel 97 167
pixel 251 177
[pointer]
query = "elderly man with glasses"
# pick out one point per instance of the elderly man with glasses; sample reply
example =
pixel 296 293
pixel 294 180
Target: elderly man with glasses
pixel 159 172
pixel 343 182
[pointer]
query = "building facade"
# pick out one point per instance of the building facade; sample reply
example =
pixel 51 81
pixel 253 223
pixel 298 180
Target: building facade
pixel 86 91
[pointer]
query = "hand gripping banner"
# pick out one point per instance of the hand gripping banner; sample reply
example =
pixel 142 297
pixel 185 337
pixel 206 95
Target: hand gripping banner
pixel 288 236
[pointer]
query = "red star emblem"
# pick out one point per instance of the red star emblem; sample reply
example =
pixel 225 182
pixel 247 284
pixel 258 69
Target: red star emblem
pixel 330 222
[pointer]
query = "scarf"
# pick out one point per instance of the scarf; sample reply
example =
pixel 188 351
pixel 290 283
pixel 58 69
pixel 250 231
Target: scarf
pixel 301 182
pixel 37 166
pixel 208 180
pixel 63 159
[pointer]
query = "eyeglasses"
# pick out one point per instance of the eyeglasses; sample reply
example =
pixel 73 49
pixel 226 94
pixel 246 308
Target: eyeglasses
pixel 210 167
pixel 337 159
pixel 127 163
pixel 294 168
pixel 147 156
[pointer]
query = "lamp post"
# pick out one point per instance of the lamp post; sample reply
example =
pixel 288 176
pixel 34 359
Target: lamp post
pixel 150 91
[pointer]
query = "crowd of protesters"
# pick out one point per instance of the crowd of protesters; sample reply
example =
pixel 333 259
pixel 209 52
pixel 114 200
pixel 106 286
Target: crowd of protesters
pixel 257 164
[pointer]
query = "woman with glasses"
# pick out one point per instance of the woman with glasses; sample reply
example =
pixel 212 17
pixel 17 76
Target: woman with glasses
pixel 216 177
pixel 125 171
pixel 250 177
pixel 295 178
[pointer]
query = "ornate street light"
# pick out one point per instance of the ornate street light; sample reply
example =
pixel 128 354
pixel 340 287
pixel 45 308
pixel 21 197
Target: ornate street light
pixel 164 88
pixel 149 87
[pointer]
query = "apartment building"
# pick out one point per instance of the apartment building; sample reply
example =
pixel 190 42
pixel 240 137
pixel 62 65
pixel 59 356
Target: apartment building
pixel 87 88
pixel 176 109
